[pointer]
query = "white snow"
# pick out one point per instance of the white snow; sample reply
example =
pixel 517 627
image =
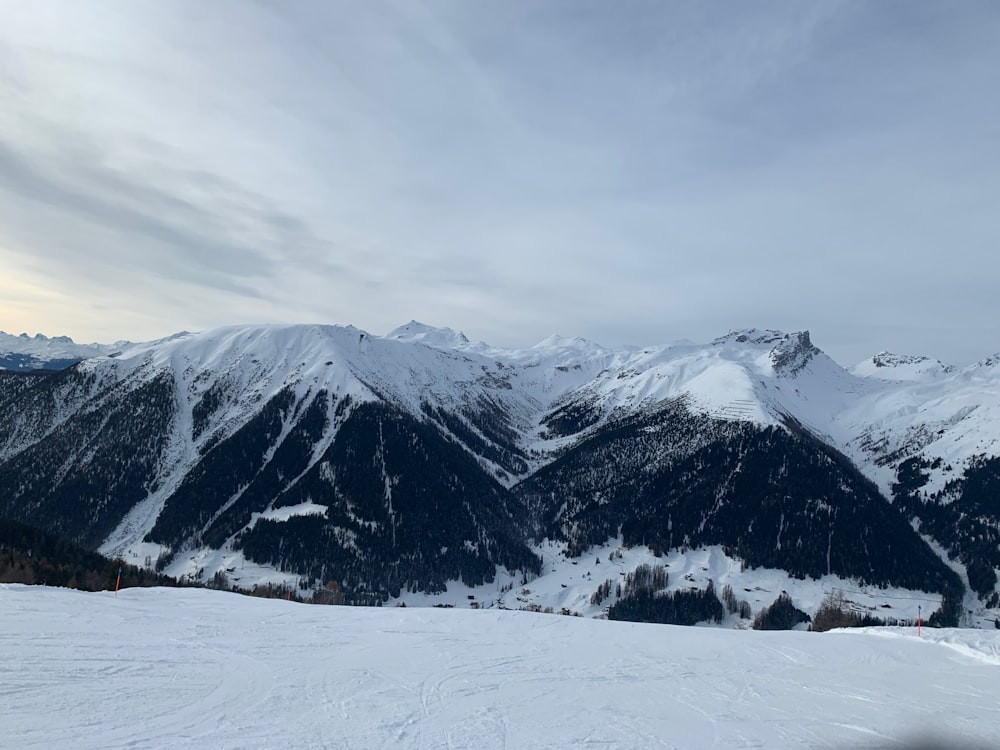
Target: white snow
pixel 888 366
pixel 203 564
pixel 302 509
pixel 157 668
pixel 569 583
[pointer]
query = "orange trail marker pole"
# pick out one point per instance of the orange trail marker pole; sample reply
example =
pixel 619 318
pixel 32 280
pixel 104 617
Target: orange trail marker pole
pixel 119 581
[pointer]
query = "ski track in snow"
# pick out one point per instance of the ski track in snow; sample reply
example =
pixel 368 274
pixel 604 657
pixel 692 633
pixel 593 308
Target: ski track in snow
pixel 157 668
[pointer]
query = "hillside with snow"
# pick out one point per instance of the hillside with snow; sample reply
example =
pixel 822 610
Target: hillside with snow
pixel 875 409
pixel 403 465
pixel 158 668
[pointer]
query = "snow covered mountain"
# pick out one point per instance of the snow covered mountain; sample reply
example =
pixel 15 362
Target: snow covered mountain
pixel 38 352
pixel 888 366
pixel 398 463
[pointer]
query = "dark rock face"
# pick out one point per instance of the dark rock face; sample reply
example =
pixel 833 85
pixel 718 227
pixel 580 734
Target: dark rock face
pixel 793 353
pixel 790 352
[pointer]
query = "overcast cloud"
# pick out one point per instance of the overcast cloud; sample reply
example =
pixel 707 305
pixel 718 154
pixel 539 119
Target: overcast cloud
pixel 630 172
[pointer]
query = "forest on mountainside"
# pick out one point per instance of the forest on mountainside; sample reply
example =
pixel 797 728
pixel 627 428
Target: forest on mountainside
pixel 32 556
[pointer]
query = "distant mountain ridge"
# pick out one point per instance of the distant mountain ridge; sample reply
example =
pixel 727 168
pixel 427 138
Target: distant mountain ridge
pixel 425 458
pixel 38 352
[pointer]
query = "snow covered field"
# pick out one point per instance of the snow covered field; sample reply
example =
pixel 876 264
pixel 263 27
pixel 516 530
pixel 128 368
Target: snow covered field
pixel 163 668
pixel 569 583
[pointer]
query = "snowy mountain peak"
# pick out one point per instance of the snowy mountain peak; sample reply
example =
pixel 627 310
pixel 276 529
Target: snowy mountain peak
pixel 569 345
pixel 751 336
pixel 38 352
pixel 793 353
pixel 991 361
pixel 789 352
pixel 39 338
pixel 888 359
pixel 889 366
pixel 416 332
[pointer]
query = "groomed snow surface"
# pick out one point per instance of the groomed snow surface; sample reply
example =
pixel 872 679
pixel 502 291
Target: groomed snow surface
pixel 167 668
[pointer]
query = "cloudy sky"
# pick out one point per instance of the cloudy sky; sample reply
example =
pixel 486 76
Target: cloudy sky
pixel 631 172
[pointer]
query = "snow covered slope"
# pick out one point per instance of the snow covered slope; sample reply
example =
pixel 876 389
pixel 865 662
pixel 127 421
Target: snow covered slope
pixel 937 413
pixel 889 366
pixel 194 448
pixel 157 668
pixel 888 406
pixel 885 410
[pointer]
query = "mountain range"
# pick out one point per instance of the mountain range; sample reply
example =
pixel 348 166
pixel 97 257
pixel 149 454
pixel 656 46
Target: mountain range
pixel 388 467
pixel 25 353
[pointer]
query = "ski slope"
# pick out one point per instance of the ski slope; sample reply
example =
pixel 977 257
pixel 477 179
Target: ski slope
pixel 158 668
